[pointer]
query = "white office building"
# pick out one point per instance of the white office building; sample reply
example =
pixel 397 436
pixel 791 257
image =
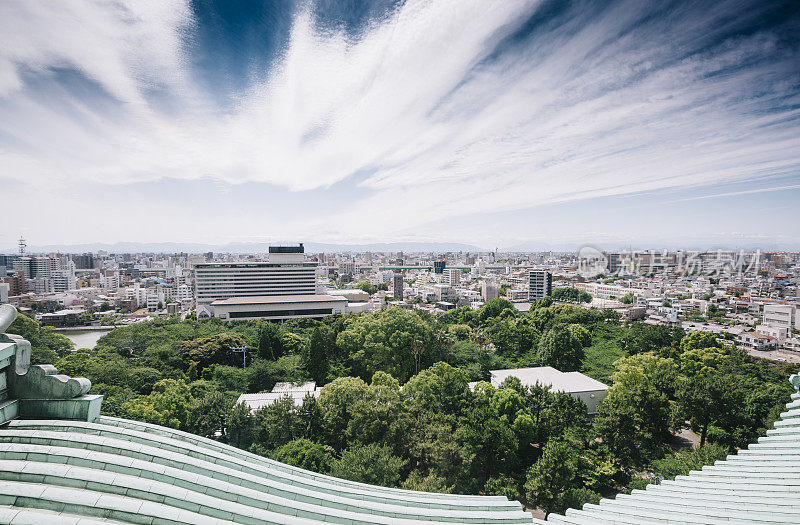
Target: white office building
pixel 286 273
pixel 781 316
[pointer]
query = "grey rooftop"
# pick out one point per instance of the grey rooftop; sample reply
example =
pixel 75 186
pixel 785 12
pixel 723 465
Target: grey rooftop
pixel 569 382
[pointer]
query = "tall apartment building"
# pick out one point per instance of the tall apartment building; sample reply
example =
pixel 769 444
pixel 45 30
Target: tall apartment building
pixel 34 267
pixel 452 276
pixel 397 282
pixel 286 273
pixel 541 284
pixel 63 280
pixel 83 262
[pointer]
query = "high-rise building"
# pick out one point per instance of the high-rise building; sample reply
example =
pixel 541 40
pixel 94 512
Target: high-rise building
pixel 286 273
pixel 43 266
pixel 83 262
pixel 452 276
pixel 541 284
pixel 22 265
pixel 489 291
pixel 397 282
pixel 63 280
pixel 438 266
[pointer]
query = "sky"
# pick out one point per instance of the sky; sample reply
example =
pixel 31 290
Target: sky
pixel 498 124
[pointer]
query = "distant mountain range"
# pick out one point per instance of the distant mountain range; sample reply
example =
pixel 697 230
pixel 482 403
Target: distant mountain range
pixel 248 247
pixel 409 247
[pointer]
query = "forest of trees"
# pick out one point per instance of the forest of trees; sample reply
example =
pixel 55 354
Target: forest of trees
pixel 436 433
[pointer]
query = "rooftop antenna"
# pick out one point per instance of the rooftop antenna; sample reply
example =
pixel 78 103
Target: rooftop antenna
pixel 22 246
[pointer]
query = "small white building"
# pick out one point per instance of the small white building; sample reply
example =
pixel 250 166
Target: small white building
pixel 297 393
pixel 583 387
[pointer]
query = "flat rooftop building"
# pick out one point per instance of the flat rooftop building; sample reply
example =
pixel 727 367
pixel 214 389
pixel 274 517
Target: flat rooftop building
pixel 286 273
pixel 278 308
pixel 583 387
pixel 297 393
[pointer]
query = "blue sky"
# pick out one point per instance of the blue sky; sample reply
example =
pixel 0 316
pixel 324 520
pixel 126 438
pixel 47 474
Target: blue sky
pixel 495 124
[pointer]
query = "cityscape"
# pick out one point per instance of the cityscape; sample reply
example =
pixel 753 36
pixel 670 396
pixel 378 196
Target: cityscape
pixel 399 262
pixel 750 298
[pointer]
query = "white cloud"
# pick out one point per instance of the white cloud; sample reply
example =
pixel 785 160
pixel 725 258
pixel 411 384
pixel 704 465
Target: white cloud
pixel 599 105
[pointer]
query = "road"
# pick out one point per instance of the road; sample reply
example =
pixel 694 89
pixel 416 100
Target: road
pixel 785 356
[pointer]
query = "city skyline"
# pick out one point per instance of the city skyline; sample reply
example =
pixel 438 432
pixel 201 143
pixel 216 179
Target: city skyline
pixel 534 122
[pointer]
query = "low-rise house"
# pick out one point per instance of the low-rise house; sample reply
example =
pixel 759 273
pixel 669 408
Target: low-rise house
pixel 757 341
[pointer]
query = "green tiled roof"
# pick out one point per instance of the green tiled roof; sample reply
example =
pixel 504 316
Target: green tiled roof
pixel 132 472
pixel 758 485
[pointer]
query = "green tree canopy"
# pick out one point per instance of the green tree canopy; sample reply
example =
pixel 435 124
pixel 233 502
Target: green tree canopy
pixel 374 464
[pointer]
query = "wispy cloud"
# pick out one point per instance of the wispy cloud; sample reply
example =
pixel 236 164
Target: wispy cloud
pixel 742 192
pixel 438 109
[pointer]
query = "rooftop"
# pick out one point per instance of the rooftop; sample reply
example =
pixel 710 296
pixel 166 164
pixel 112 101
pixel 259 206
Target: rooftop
pixel 278 299
pixel 570 382
pixel 287 249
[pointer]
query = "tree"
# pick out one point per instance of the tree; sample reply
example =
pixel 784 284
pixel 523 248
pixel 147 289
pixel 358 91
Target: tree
pixel 306 454
pixel 488 440
pixel 269 343
pixel 384 341
pixel 440 388
pixel 207 415
pixel 166 405
pixel 321 349
pixel 367 287
pixel 635 418
pixel 142 379
pixel 216 350
pixel 374 464
pixel 641 338
pixel 571 295
pixel 552 478
pixel 627 298
pixel 562 347
pixel 494 308
pixel 377 416
pixel 46 345
pixel 699 339
pixel 239 426
pixel 337 400
pixel 704 395
pixel 429 483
